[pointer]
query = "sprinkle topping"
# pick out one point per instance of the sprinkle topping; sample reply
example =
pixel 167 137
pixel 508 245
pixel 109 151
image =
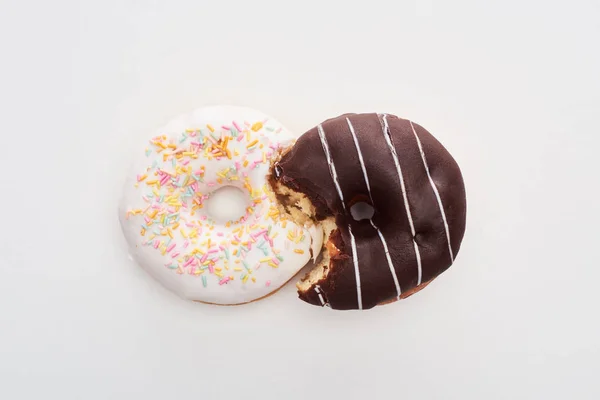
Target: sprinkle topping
pixel 182 174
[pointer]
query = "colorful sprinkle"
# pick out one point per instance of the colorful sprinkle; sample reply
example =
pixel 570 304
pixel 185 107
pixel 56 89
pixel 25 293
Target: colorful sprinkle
pixel 176 186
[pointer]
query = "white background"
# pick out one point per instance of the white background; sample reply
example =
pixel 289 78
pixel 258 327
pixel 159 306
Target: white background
pixel 510 87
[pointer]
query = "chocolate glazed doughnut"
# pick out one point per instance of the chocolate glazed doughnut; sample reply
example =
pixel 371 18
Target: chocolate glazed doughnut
pixel 414 186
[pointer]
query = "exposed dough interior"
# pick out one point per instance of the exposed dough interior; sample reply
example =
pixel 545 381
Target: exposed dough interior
pixel 298 208
pixel 321 268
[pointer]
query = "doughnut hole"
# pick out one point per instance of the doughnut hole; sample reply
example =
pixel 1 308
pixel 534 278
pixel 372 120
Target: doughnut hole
pixel 227 203
pixel 362 210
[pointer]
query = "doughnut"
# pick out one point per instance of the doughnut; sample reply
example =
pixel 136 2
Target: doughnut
pixel 178 209
pixel 404 176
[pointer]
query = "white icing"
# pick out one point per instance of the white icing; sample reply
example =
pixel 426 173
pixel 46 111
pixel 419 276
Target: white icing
pixel 333 173
pixel 388 140
pixel 435 190
pixel 364 171
pixel 188 273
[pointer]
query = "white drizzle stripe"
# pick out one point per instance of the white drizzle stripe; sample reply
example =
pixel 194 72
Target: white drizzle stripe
pixel 319 291
pixel 356 272
pixel 389 259
pixel 364 170
pixel 330 163
pixel 388 140
pixel 360 157
pixel 435 190
pixel 333 173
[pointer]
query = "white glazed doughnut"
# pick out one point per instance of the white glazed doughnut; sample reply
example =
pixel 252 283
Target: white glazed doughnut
pixel 186 245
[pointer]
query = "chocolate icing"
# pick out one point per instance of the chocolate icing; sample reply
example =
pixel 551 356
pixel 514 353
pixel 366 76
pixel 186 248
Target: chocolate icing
pixel 305 169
